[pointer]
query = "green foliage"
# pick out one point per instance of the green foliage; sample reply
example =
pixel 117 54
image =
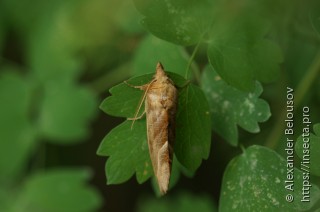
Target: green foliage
pixel 59 190
pixel 58 118
pixel 57 56
pixel 254 181
pixel 172 56
pixel 55 190
pixel 237 47
pixel 192 142
pixel 176 21
pixel 230 107
pixel 43 101
pixel 128 147
pixel 59 112
pixel 241 55
pixel 183 202
pixel 17 134
pixel 308 146
pixel 24 120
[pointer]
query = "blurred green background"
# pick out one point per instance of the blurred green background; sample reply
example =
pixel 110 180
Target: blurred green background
pixel 57 61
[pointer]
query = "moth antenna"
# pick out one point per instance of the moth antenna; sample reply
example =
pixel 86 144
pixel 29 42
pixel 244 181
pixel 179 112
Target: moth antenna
pixel 141 102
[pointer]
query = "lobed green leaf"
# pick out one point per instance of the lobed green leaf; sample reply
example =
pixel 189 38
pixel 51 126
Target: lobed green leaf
pixel 128 151
pixel 176 21
pixel 255 181
pixel 230 107
pixel 65 112
pixel 241 54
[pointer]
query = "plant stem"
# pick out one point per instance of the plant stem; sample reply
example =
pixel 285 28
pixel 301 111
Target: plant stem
pixel 242 148
pixel 195 70
pixel 301 90
pixel 307 81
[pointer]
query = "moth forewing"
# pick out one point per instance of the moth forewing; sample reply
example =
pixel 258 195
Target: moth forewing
pixel 160 107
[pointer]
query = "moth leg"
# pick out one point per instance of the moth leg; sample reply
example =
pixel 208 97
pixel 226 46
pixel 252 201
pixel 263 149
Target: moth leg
pixel 141 87
pixel 145 88
pixel 138 117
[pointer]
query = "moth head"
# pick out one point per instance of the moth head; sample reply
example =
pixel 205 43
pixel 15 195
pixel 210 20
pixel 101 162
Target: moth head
pixel 160 74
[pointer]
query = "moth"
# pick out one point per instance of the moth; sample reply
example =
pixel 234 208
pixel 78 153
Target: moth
pixel 160 97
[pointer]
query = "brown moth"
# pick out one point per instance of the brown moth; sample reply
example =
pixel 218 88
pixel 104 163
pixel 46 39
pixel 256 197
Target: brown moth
pixel 160 108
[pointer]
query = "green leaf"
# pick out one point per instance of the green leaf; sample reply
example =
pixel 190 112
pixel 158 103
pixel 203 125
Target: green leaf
pixel 171 56
pixel 17 137
pixel 6 199
pixel 60 190
pixel 126 17
pixel 308 147
pixel 51 51
pixel 255 181
pixel 65 112
pixel 176 21
pixel 230 107
pixel 239 52
pixel 62 29
pixel 128 149
pixel 183 202
pixel 193 128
